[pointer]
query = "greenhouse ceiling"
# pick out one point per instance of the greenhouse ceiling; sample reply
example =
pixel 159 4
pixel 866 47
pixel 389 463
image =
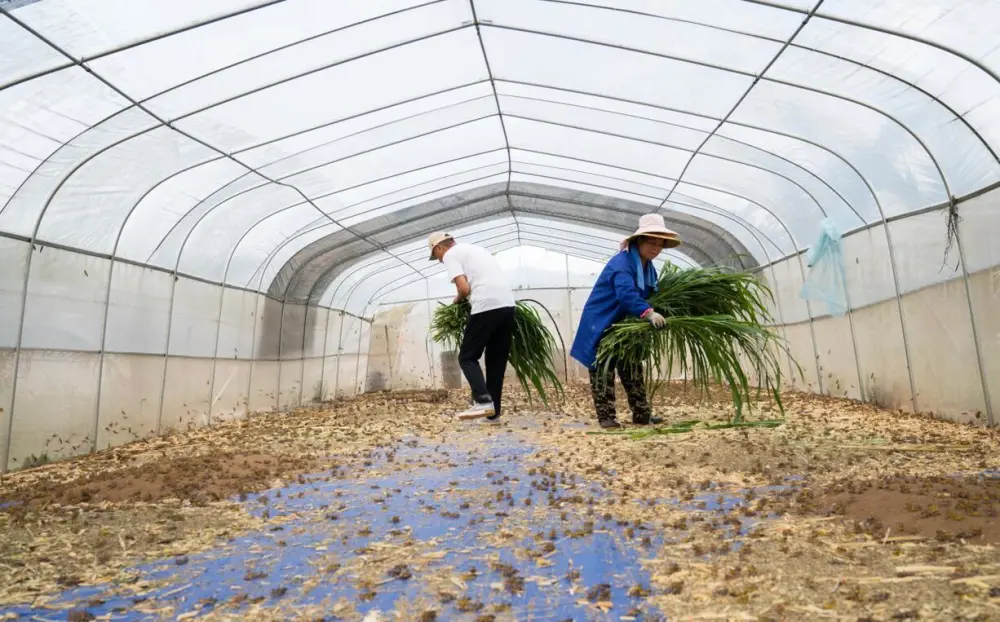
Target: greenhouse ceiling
pixel 289 146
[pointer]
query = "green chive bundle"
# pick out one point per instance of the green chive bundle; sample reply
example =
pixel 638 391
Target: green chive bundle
pixel 716 329
pixel 532 352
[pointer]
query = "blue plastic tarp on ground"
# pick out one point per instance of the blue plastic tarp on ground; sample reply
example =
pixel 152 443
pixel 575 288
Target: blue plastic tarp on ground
pixel 422 504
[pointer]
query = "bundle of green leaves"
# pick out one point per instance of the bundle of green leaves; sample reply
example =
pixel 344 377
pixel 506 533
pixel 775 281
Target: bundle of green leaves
pixel 532 352
pixel 716 332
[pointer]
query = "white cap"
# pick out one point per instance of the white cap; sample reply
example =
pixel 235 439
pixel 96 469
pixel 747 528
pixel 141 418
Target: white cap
pixel 436 238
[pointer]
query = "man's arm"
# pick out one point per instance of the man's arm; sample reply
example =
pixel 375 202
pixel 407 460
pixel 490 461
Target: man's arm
pixel 463 287
pixel 457 276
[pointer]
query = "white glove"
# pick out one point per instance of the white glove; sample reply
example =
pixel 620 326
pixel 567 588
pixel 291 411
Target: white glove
pixel 655 319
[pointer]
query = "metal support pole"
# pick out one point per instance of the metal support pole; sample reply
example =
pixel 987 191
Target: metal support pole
pixel 427 340
pixel 340 350
pixel 253 347
pixel 322 368
pixel 166 351
pixel 975 331
pixel 569 318
pixel 281 334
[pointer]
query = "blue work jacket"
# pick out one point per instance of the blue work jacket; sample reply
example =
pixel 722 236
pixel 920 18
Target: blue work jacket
pixel 615 296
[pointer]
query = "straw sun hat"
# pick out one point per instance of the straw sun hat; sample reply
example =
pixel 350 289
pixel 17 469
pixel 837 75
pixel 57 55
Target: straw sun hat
pixel 652 225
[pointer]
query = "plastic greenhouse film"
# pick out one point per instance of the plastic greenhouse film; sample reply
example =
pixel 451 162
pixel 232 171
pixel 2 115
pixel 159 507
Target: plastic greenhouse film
pixel 826 281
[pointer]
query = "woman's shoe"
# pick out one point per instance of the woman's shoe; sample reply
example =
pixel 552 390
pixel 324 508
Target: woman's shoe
pixel 652 421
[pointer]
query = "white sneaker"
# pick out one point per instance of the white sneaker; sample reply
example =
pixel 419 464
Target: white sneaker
pixel 478 411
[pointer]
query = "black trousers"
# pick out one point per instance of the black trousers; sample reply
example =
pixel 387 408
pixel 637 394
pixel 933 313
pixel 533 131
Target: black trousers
pixel 602 388
pixel 489 331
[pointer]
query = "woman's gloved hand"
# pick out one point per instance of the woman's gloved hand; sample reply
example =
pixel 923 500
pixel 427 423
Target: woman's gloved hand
pixel 654 318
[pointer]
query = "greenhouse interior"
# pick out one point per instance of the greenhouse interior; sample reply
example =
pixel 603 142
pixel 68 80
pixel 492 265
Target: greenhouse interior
pixel 226 392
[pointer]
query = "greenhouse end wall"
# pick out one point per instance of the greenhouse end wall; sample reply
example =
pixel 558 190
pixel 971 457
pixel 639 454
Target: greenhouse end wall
pixel 164 353
pixel 943 328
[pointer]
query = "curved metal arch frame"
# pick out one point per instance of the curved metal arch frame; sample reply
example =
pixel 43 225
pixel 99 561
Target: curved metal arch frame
pixel 795 165
pixel 791 44
pixel 777 219
pixel 510 171
pixel 850 22
pixel 583 254
pixel 315 226
pixel 494 83
pixel 756 79
pixel 323 276
pixel 333 294
pixel 798 138
pixel 660 144
pixel 776 154
pixel 722 191
pixel 159 122
pixel 170 124
pixel 508 148
pixel 682 60
pixel 775 5
pixel 765 151
pixel 316 254
pixel 746 34
pixel 716 210
pixel 315 297
pixel 322 126
pixel 496 99
pixel 328 215
pixel 749 227
pixel 761 78
pixel 816 13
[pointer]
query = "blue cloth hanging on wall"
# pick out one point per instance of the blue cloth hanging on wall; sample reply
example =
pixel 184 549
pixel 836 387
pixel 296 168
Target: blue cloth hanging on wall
pixel 827 278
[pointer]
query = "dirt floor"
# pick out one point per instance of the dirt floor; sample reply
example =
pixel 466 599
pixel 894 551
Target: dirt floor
pixel 384 507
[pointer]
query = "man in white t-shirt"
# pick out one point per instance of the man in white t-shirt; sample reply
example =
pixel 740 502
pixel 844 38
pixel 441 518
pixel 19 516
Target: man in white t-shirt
pixel 478 276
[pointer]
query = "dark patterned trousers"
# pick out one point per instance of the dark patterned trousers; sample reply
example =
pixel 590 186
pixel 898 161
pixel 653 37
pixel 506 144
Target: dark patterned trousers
pixel 602 388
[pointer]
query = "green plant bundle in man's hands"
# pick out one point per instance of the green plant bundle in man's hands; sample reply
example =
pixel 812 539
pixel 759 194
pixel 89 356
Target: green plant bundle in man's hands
pixel 532 352
pixel 716 330
pixel 448 324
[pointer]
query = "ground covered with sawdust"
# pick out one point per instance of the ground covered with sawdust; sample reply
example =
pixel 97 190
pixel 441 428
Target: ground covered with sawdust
pixel 384 507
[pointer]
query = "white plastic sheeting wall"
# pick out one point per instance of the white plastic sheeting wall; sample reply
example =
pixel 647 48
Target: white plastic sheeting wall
pixel 112 353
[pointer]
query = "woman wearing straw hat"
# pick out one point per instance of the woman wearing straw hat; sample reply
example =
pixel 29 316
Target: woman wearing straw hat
pixel 621 290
